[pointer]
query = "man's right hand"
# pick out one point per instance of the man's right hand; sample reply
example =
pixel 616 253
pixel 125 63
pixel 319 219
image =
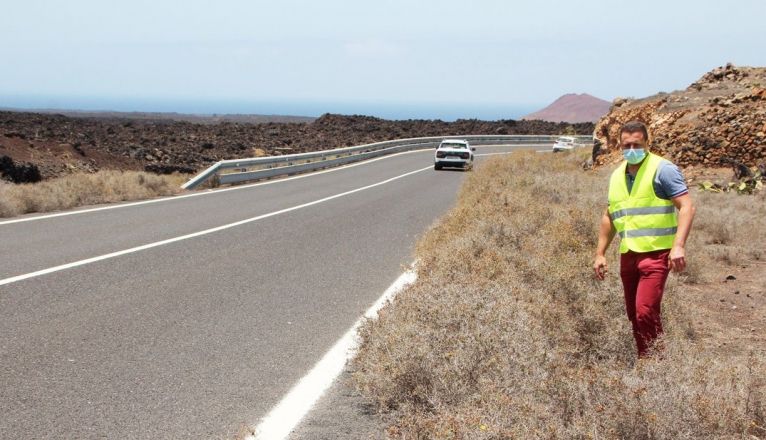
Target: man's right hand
pixel 600 267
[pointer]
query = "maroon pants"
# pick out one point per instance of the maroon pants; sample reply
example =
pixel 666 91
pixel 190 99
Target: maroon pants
pixel 643 278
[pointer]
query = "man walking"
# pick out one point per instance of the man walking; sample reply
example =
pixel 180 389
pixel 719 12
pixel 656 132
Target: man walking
pixel 644 193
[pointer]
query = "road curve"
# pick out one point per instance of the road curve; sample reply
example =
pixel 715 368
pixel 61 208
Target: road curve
pixel 194 337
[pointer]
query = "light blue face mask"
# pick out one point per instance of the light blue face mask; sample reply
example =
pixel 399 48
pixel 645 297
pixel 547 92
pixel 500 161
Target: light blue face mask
pixel 634 155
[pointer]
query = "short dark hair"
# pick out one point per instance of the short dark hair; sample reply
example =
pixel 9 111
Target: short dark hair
pixel 634 127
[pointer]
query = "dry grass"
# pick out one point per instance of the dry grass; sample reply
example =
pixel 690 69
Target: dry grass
pixel 729 229
pixel 507 335
pixel 85 189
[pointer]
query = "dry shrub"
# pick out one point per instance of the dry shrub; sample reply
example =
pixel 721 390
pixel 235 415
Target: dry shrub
pixel 8 206
pixel 85 189
pixel 507 335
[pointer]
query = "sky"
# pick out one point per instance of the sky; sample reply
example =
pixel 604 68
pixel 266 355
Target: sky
pixel 389 58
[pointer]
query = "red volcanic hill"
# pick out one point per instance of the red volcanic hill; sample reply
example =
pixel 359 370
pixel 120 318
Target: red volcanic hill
pixel 572 108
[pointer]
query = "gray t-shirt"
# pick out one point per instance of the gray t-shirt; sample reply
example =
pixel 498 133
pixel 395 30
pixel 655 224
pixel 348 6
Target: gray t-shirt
pixel 668 182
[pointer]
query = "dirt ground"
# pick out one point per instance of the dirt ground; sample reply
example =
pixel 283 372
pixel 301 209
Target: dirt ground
pixel 733 304
pixel 732 309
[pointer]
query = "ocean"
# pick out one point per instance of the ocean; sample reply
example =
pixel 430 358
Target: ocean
pixel 445 111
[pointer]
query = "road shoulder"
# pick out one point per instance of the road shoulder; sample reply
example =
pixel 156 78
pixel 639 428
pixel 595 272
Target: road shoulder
pixel 341 414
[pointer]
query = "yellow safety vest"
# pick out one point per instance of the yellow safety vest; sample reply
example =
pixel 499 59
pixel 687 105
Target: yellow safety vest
pixel 644 221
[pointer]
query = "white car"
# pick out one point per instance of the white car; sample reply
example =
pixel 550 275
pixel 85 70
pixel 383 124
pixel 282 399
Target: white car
pixel 564 143
pixel 456 153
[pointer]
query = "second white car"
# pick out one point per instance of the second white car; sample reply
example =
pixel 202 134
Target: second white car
pixel 564 143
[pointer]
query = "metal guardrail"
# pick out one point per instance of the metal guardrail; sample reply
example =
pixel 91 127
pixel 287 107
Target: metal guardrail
pixel 272 166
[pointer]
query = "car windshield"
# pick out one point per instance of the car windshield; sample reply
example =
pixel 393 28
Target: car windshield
pixel 453 146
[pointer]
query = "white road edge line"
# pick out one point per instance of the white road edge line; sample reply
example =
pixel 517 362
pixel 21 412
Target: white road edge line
pixel 288 413
pixel 200 233
pixel 216 191
pixel 201 193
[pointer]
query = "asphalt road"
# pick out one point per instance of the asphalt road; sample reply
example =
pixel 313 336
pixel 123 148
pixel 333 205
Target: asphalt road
pixel 195 337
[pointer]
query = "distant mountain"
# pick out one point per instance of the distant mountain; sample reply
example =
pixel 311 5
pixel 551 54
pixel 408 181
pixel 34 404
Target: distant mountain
pixel 572 108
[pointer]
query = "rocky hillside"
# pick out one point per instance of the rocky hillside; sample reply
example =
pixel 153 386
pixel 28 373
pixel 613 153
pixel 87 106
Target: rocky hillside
pixel 44 145
pixel 719 120
pixel 572 108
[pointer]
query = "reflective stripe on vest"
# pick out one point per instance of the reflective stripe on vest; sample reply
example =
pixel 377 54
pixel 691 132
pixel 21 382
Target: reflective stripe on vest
pixel 644 221
pixel 648 232
pixel 639 211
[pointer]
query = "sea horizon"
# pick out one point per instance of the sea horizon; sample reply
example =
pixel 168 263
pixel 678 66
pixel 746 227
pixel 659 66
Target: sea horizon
pixel 446 111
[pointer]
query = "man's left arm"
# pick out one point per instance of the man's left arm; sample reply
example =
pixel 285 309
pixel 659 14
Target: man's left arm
pixel 683 204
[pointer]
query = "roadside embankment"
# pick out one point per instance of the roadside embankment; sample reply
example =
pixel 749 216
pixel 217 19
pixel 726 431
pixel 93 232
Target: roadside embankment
pixel 719 120
pixel 506 334
pixel 85 189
